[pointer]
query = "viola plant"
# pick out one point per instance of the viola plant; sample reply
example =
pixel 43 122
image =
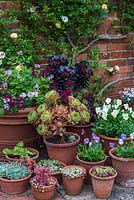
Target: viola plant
pixel 114 118
pixel 91 151
pixel 127 95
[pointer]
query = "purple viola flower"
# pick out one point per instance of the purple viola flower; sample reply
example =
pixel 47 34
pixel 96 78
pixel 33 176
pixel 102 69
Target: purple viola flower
pixel 30 95
pixel 97 139
pixel 8 72
pixel 82 131
pixel 93 135
pixel 86 140
pixel 23 95
pixel 20 52
pixel 6 106
pixel 37 66
pixel 111 144
pixel 123 136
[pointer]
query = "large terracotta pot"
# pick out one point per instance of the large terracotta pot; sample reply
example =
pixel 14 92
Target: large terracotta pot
pixel 47 193
pixel 102 186
pixel 14 186
pixel 14 128
pixel 73 186
pixel 82 130
pixel 124 168
pixel 65 153
pixel 88 166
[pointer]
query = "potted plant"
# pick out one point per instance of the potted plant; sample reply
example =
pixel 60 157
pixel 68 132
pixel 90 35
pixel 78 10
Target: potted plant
pixel 19 151
pixel 14 177
pixel 123 161
pixel 90 154
pixel 55 168
pixel 68 80
pixel 22 86
pixel 73 177
pixel 43 185
pixel 113 119
pixel 50 120
pixel 102 180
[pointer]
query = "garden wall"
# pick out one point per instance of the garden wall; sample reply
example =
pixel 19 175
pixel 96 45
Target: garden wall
pixel 113 52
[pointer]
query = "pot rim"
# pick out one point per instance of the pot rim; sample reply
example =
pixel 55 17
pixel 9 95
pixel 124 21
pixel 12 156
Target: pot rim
pixel 110 138
pixel 47 186
pixel 76 166
pixel 92 163
pixel 78 126
pixel 66 144
pixel 111 151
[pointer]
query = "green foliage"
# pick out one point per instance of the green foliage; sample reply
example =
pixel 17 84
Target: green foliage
pixel 103 171
pixel 73 172
pixel 125 150
pixel 55 165
pixel 13 170
pixel 19 151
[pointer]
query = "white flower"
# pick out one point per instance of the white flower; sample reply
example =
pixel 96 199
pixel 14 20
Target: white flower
pixel 2 55
pixel 117 68
pixel 121 142
pixel 108 100
pixel 64 19
pixel 18 67
pixel 35 94
pixel 23 95
pixel 90 144
pixel 14 35
pixel 125 116
pixel 0 62
pixel 104 115
pixel 110 69
pixel 119 102
pixel 126 106
pixel 32 9
pixel 132 136
pixel 114 113
pixel 98 110
pixel 104 6
pixel 132 115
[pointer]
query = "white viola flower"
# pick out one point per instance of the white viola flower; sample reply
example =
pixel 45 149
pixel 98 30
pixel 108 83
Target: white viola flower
pixel 132 115
pixel 35 94
pixel 31 10
pixel 132 136
pixel 105 108
pixel 119 102
pixel 126 106
pixel 98 110
pixel 30 94
pixel 125 116
pixel 114 113
pixel 121 142
pixel 2 55
pixel 117 68
pixel 23 95
pixel 90 144
pixel 36 87
pixel 64 19
pixel 104 115
pixel 108 100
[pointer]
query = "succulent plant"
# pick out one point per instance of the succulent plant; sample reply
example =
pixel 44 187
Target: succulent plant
pixel 73 171
pixel 103 171
pixel 32 116
pixel 13 170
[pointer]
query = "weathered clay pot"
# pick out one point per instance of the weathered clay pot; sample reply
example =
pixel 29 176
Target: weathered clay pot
pixel 14 128
pixel 102 186
pixel 124 168
pixel 65 153
pixel 84 131
pixel 14 186
pixel 47 193
pixel 29 148
pixel 88 166
pixel 73 186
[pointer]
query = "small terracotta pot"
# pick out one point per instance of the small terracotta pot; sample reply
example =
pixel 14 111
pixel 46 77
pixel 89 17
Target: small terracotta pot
pixel 29 148
pixel 102 186
pixel 88 166
pixel 14 186
pixel 65 153
pixel 124 168
pixel 47 193
pixel 79 130
pixel 73 186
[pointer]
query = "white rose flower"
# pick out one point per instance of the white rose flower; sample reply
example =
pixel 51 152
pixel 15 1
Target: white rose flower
pixel 114 113
pixel 125 116
pixel 64 19
pixel 14 35
pixel 117 68
pixel 108 100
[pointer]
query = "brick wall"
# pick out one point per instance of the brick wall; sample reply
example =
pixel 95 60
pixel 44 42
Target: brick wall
pixel 112 52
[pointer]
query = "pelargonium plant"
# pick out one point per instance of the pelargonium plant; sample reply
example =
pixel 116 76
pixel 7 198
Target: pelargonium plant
pixel 114 118
pixel 91 150
pixel 125 149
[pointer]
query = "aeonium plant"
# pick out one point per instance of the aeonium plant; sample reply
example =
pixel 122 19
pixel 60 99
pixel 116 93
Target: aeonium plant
pixel 114 118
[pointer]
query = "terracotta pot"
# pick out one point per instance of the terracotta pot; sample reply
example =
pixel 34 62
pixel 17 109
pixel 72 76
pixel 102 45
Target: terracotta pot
pixel 102 186
pixel 14 186
pixel 65 153
pixel 14 128
pixel 29 148
pixel 79 130
pixel 88 166
pixel 47 193
pixel 124 168
pixel 73 186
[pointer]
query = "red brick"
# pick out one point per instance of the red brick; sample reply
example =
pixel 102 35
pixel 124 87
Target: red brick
pixel 116 54
pixel 12 5
pixel 113 30
pixel 102 47
pixel 130 61
pixel 125 69
pixel 107 22
pixel 113 14
pixel 101 31
pixel 124 83
pixel 125 54
pixel 132 53
pixel 81 57
pixel 104 55
pixel 119 62
pixel 115 47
